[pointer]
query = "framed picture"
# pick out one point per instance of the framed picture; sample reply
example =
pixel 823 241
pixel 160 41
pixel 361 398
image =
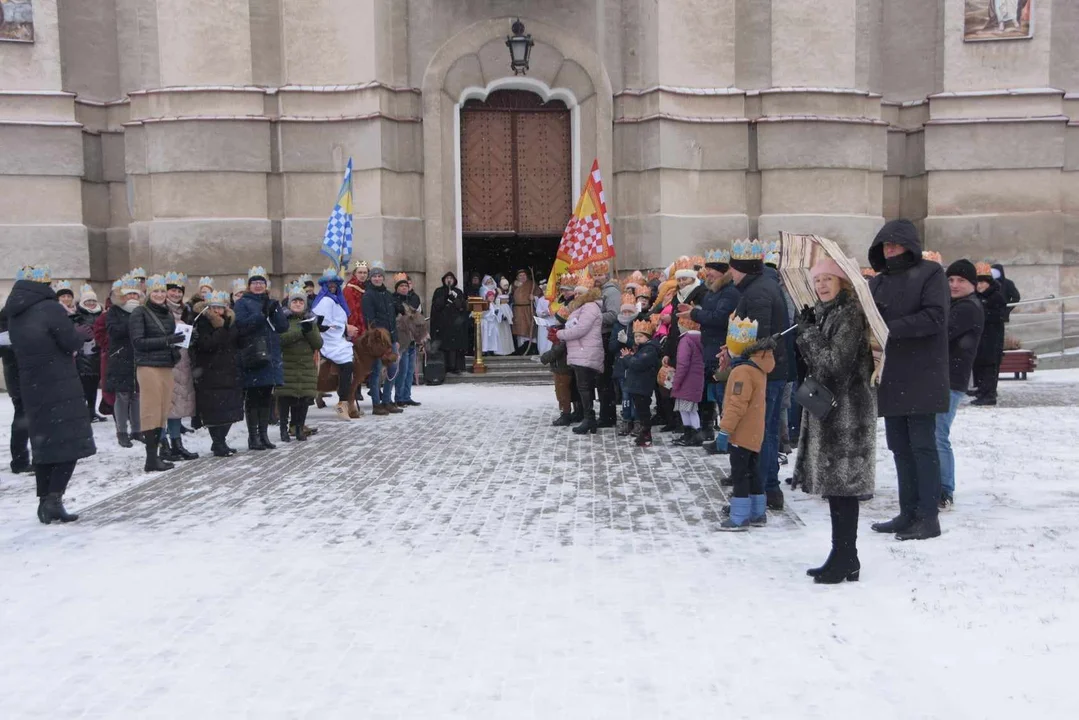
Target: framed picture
pixel 16 21
pixel 998 20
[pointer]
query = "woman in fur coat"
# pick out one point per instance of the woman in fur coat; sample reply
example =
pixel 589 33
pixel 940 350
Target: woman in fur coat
pixel 219 394
pixel 837 455
pixel 183 383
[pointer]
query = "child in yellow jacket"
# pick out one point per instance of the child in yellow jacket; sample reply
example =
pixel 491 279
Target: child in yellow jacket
pixel 741 428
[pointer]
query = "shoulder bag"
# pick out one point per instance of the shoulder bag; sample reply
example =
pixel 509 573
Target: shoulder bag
pixel 815 398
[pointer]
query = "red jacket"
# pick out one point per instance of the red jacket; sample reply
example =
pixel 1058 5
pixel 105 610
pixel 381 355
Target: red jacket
pixel 354 298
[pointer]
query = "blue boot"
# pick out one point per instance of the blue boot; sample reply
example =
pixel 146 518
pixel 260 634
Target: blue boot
pixel 739 518
pixel 758 510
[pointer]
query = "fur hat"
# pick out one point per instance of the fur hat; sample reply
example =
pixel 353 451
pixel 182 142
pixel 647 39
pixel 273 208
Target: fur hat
pixel 218 298
pixel 296 291
pixel 63 287
pixel 398 279
pixel 747 256
pixel 629 302
pixel 683 268
pixel 932 255
pixel 828 266
pixel 965 269
pixel 86 292
pixel 718 260
pixel 644 327
pixel 258 272
pixel 741 333
pixel 175 280
pixel 599 267
pixel 984 270
pixel 155 282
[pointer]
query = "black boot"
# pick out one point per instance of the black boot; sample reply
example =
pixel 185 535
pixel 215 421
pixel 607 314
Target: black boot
pixel 264 427
pixel 124 440
pixel 53 509
pixel 588 425
pixel 154 463
pixel 708 417
pixel 578 413
pixel 681 440
pixel 299 416
pixel 897 524
pixel 842 563
pixel 644 438
pixel 691 437
pixel 563 420
pixel 179 452
pixel 218 447
pixel 283 407
pixel 922 529
pixel 165 450
pixel 41 511
pixel 253 441
pixel 775 499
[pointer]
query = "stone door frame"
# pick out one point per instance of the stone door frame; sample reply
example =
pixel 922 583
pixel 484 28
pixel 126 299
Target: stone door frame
pixel 472 64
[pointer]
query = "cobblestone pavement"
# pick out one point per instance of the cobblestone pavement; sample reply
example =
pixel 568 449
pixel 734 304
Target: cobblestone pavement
pixel 467 560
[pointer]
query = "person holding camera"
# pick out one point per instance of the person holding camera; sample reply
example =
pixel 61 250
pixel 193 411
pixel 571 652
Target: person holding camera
pixel 260 320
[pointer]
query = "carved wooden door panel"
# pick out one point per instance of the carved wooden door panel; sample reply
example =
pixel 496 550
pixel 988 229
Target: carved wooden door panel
pixel 487 202
pixel 543 172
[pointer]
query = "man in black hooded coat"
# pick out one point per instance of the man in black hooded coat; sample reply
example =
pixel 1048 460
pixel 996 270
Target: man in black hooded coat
pixel 913 298
pixel 44 341
pixel 1011 292
pixel 991 346
pixel 450 322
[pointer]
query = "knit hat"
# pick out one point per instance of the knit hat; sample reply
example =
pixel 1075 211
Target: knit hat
pixel 629 303
pixel 644 327
pixel 63 287
pixel 718 260
pixel 257 272
pixel 965 269
pixel 377 270
pixel 400 279
pixel 741 333
pixel 175 280
pixel 984 270
pixel 155 282
pixel 86 292
pixel 296 291
pixel 239 285
pixel 828 266
pixel 747 256
pixel 218 298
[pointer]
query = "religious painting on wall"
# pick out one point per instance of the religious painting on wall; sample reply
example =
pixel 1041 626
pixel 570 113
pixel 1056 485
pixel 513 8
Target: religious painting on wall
pixel 16 20
pixel 998 20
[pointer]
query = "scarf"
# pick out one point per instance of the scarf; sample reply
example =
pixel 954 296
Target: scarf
pixel 684 293
pixel 95 311
pixel 129 305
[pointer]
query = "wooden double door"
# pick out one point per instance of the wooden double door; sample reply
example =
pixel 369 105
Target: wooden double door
pixel 515 166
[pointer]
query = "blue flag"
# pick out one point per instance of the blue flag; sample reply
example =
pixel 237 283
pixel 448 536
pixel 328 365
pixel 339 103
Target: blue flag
pixel 337 245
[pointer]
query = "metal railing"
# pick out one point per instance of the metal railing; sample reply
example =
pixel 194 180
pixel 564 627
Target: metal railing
pixel 1062 322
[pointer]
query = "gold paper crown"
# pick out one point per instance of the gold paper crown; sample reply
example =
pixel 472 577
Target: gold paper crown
pixel 584 279
pixel 688 323
pixel 206 281
pixel 358 265
pixel 654 275
pixel 637 278
pixel 773 247
pixel 177 279
pixel 219 298
pixel 330 274
pixel 399 277
pixel 718 256
pixel 567 279
pixel 129 284
pixel 257 271
pixel 155 282
pixel 599 267
pixel 239 285
pixel 771 258
pixel 644 327
pixel 138 273
pixel 747 249
pixel 741 333
pixel 296 291
pixel 698 261
pixel 62 286
pixel 984 270
pixel 629 299
pixel 86 289
pixel 932 255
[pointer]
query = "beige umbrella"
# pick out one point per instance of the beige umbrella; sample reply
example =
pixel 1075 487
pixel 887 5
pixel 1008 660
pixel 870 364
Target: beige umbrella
pixel 799 253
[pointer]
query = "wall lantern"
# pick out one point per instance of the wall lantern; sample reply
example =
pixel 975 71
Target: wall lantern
pixel 520 46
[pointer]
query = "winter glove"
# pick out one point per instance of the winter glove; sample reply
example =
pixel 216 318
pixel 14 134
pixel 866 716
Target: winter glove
pixel 621 336
pixel 807 317
pixel 723 442
pixel 176 339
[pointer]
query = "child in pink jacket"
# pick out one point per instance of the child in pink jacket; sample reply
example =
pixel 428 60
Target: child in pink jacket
pixel 688 388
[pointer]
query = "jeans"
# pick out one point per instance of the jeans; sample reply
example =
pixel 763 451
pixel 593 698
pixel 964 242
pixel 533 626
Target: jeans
pixel 944 444
pixel 628 413
pixel 768 463
pixel 172 429
pixel 380 394
pixel 913 442
pixel 402 384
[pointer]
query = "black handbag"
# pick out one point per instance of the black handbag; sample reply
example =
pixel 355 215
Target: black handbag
pixel 815 398
pixel 255 353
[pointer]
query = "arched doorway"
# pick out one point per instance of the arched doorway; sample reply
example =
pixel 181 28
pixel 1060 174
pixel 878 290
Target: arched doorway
pixel 516 182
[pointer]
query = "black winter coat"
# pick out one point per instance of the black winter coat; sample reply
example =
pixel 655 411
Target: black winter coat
pixel 89 364
pixel 152 328
pixel 641 369
pixel 714 315
pixel 913 299
pixel 965 322
pixel 1011 292
pixel 44 341
pixel 120 370
pixel 261 315
pixel 219 394
pixel 449 318
pixel 11 366
pixel 991 347
pixel 762 300
pixel 379 310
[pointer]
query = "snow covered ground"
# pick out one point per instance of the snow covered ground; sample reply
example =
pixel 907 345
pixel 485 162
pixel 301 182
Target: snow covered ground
pixel 465 560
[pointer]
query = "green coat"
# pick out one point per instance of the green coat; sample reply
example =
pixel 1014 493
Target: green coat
pixel 297 350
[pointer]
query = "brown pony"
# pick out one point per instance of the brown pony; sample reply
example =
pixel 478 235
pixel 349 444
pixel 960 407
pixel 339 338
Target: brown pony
pixel 373 345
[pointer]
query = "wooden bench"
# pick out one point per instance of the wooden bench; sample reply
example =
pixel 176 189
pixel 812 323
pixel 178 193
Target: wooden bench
pixel 1018 362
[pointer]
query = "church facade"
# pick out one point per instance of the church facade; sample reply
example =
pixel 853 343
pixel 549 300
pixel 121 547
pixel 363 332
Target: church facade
pixel 211 135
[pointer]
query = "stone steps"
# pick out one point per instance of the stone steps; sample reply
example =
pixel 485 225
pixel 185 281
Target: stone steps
pixel 508 370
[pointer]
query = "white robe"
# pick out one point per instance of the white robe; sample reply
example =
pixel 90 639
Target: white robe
pixel 496 327
pixel 543 321
pixel 335 346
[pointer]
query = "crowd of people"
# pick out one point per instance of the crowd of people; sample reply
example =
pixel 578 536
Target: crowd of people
pixel 711 349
